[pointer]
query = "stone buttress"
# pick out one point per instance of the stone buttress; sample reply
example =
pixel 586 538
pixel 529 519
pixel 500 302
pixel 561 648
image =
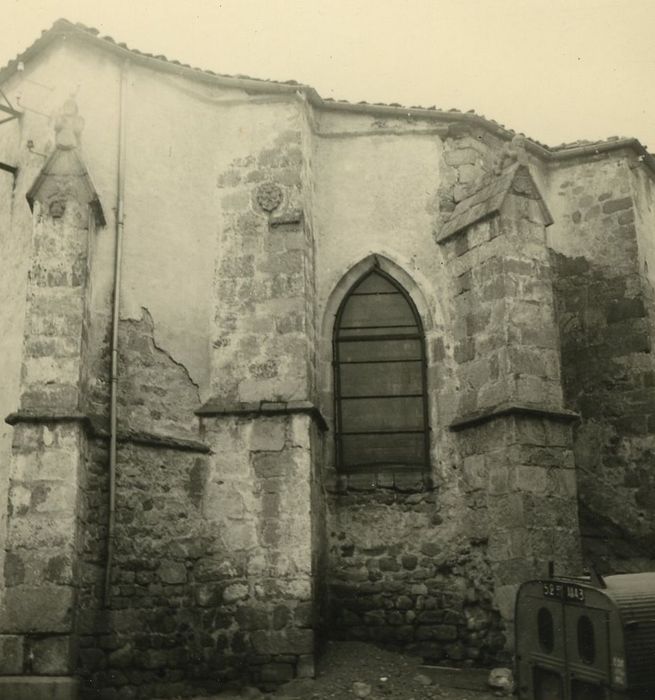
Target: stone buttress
pixel 47 470
pixel 263 492
pixel 514 432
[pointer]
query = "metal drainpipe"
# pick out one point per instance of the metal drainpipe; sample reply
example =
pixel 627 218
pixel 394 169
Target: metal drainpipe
pixel 118 257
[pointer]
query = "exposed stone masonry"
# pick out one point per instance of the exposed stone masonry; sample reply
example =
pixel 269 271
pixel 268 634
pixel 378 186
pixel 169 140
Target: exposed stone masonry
pixel 238 546
pixel 518 474
pixel 469 154
pixel 49 446
pixel 514 435
pixel 263 280
pixel 608 372
pixel 212 595
pixel 156 393
pixel 406 587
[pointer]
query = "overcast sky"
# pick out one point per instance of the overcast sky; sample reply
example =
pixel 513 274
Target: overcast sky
pixel 557 70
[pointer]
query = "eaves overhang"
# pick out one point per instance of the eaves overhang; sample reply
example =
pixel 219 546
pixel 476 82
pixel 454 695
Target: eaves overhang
pixel 63 29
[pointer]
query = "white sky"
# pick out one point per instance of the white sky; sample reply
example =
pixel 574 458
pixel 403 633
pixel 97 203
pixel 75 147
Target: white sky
pixel 557 70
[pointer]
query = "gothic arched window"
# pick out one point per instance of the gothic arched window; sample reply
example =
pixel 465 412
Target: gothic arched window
pixel 379 371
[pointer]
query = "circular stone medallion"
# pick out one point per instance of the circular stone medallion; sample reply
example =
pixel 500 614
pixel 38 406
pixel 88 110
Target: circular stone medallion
pixel 269 196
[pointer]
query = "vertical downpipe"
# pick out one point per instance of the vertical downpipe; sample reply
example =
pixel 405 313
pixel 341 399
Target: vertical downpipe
pixel 118 257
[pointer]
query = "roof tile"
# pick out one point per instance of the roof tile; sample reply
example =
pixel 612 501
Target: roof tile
pixel 64 26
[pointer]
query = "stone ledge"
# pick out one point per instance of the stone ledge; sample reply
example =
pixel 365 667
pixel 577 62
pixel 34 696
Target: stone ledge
pixel 154 440
pixel 502 410
pixel 30 416
pixel 94 427
pixel 404 481
pixel 217 407
pixel 290 218
pixel 39 688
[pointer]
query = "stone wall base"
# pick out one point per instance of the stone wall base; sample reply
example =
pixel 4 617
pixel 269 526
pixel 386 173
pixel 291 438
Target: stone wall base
pixel 39 687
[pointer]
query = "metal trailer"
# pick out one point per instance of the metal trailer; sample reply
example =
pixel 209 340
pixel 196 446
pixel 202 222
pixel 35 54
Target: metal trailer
pixel 586 638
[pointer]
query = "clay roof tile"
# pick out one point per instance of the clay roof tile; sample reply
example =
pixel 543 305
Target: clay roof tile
pixel 63 27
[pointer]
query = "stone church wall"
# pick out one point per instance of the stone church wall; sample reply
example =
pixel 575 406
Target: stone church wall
pixel 203 598
pixel 238 544
pixel 213 578
pixel 420 560
pixel 604 301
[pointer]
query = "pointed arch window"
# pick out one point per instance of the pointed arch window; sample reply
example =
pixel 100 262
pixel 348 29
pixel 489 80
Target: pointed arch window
pixel 380 379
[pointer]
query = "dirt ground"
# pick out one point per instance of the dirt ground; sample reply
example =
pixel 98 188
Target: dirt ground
pixel 350 670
